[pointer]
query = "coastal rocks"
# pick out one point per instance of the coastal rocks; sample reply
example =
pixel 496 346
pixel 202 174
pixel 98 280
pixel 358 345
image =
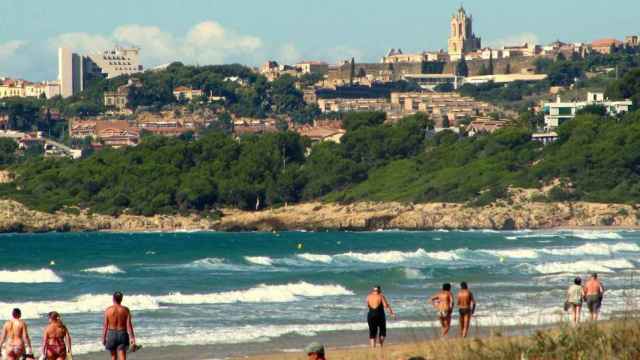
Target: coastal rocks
pixel 316 216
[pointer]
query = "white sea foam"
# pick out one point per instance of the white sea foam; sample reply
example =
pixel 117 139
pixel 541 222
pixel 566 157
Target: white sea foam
pixel 88 303
pixel 259 294
pixel 594 235
pixel 594 249
pixel 583 266
pixel 259 260
pixel 513 253
pixel 326 259
pixel 109 269
pixel 244 334
pixel 414 274
pixel 29 276
pixel 395 257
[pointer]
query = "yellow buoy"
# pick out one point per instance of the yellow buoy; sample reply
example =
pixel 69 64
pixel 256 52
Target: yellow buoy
pixel 502 259
pixel 300 246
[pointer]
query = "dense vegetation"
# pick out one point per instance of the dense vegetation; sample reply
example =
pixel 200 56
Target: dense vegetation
pixel 596 159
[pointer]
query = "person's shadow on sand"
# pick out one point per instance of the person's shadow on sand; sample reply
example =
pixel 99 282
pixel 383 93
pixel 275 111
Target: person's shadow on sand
pixel 417 358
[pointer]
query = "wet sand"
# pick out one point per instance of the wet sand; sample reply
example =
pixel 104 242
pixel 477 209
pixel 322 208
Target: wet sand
pixel 401 344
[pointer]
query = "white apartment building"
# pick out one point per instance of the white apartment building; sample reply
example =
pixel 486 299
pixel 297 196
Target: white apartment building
pixel 558 112
pixel 73 68
pixel 115 62
pixel 70 72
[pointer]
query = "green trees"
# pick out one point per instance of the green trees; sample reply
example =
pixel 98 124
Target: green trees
pixel 462 69
pixel 8 149
pixel 626 88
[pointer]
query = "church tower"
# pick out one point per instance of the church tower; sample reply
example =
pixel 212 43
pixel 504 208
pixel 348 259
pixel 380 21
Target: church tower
pixel 462 39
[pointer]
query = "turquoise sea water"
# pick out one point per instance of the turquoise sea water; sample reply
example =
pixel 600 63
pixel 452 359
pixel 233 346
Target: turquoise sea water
pixel 235 288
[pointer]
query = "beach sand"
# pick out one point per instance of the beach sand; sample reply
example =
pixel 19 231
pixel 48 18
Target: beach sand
pixel 401 344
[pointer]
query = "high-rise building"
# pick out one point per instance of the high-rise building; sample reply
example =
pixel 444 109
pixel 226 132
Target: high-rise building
pixel 462 39
pixel 70 72
pixel 74 69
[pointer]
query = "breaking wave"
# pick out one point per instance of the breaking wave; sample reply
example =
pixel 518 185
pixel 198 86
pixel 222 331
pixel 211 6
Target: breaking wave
pixel 259 260
pixel 109 269
pixel 261 293
pixel 582 266
pixel 29 276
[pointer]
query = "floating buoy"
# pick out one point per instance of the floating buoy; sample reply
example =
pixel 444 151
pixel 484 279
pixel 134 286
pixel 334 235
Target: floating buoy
pixel 52 263
pixel 300 246
pixel 502 259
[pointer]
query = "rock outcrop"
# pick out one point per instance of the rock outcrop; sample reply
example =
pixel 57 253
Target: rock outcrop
pixel 15 217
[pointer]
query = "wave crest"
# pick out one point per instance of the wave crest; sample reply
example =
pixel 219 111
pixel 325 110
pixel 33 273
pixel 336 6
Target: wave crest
pixel 29 276
pixel 109 269
pixel 259 260
pixel 259 294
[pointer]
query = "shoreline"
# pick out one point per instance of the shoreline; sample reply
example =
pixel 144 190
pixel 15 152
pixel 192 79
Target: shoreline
pixel 317 217
pixel 337 342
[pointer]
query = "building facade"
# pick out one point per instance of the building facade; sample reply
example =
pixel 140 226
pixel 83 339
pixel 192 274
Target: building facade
pixel 70 72
pixel 558 112
pixel 462 39
pixel 114 62
pixel 74 68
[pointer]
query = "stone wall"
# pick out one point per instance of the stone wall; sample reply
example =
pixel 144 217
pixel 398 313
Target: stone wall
pixel 499 65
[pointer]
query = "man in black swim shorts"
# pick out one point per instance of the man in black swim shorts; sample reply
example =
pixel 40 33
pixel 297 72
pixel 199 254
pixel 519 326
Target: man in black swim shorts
pixel 118 333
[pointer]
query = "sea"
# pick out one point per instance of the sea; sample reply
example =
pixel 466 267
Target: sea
pixel 237 289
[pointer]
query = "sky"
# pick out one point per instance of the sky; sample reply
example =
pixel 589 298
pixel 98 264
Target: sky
pixel 253 31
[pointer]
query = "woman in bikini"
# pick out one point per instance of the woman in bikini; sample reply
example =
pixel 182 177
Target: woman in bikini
pixel 56 341
pixel 16 336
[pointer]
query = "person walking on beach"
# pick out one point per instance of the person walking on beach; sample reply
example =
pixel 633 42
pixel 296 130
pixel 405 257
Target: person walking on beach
pixel 16 336
pixel 118 332
pixel 315 351
pixel 574 299
pixel 56 341
pixel 467 307
pixel 443 302
pixel 593 293
pixel 377 303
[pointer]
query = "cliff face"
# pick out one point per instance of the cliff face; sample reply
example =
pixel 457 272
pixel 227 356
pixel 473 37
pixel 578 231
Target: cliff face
pixel 14 217
pixel 373 216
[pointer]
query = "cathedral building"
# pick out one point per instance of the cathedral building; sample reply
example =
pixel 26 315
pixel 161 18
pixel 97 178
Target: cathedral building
pixel 462 39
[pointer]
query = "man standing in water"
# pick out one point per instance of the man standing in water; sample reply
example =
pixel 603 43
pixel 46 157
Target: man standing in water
pixel 593 292
pixel 443 302
pixel 16 334
pixel 377 303
pixel 467 306
pixel 118 329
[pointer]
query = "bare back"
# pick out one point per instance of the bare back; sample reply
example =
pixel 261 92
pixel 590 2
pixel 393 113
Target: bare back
pixel 55 333
pixel 375 300
pixel 15 331
pixel 465 298
pixel 442 301
pixel 117 317
pixel 593 287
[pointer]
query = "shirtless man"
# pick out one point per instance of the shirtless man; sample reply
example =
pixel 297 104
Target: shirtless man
pixel 377 303
pixel 16 336
pixel 467 306
pixel 56 340
pixel 118 329
pixel 443 301
pixel 593 292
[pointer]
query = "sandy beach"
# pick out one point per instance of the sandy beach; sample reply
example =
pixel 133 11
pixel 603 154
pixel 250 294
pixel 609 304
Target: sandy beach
pixel 401 344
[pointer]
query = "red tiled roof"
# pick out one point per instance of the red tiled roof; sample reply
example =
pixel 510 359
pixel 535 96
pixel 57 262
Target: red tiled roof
pixel 605 42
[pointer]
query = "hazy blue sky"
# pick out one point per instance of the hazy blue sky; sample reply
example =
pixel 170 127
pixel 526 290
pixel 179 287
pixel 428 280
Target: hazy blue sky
pixel 214 31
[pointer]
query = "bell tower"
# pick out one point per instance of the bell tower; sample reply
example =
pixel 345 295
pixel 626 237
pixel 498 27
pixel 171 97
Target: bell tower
pixel 462 38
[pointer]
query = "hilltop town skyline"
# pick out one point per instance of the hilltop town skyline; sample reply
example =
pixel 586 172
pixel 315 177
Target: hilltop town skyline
pixel 221 36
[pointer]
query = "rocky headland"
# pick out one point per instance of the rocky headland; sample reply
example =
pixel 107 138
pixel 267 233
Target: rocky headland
pixel 318 216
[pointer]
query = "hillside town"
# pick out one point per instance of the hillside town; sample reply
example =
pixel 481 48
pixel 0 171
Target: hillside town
pixel 400 84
